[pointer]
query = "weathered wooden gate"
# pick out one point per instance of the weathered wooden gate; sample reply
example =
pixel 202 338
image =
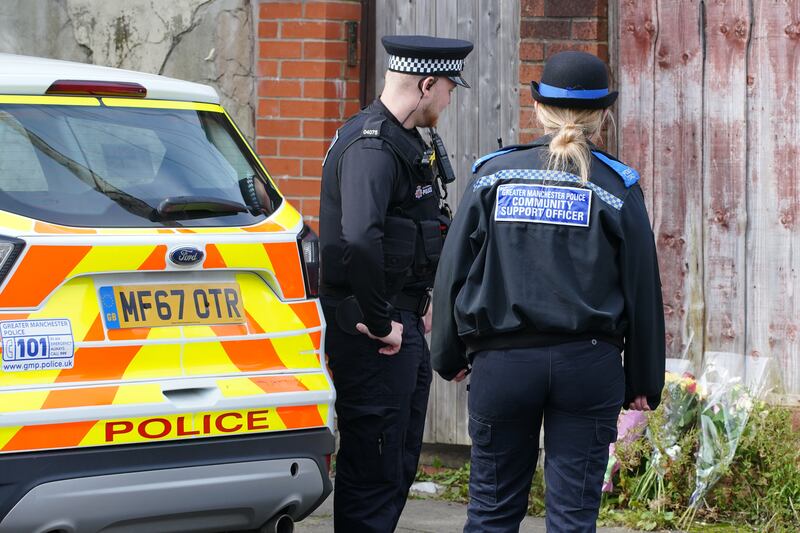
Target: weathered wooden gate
pixel 709 115
pixel 470 126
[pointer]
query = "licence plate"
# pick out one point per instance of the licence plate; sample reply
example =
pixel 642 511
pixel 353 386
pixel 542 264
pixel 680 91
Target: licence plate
pixel 134 306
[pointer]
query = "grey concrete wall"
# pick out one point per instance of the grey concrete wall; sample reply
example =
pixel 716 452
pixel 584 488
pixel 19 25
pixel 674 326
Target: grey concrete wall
pixel 207 41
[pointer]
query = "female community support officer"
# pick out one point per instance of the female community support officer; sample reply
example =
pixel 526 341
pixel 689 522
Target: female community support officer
pixel 549 271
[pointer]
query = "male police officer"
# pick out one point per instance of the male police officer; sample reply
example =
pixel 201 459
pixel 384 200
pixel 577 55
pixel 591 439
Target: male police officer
pixel 382 222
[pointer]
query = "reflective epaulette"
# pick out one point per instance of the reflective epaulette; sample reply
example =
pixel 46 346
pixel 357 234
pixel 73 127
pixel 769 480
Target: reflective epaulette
pixel 483 159
pixel 629 176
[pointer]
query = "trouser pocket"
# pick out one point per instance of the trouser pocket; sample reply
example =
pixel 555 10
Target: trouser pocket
pixel 597 460
pixel 370 443
pixel 483 468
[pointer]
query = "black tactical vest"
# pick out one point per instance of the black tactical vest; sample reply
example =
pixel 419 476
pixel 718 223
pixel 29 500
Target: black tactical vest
pixel 414 226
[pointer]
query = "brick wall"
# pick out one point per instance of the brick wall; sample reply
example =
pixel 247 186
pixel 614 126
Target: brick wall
pixel 305 91
pixel 551 26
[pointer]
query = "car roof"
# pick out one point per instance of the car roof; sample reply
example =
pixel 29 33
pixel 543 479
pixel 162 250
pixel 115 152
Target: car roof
pixel 33 75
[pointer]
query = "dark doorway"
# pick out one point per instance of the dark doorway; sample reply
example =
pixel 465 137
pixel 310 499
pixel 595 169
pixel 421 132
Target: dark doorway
pixel 367 70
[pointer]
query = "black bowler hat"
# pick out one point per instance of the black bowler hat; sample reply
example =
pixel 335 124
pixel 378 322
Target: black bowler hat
pixel 574 79
pixel 426 55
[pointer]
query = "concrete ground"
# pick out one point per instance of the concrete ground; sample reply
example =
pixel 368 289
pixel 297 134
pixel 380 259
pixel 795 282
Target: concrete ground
pixel 423 516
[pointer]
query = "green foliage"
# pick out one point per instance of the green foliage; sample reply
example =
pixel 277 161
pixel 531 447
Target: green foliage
pixel 760 491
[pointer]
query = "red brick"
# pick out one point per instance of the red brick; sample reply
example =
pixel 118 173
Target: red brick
pixel 352 73
pixel 267 30
pixel 351 107
pixel 277 128
pixel 529 73
pixel 353 89
pixel 320 129
pixel 544 29
pixel 323 89
pixel 311 69
pixel 333 10
pixel 268 69
pixel 529 51
pixel 302 148
pixel 527 118
pixel 280 167
pixel 310 207
pixel 308 188
pixel 269 107
pixel 312 168
pixel 575 8
pixel 280 49
pixel 598 49
pixel 590 30
pixel 325 50
pixel 309 108
pixel 532 8
pixel 311 30
pixel 525 96
pixel 266 147
pixel 279 88
pixel 529 136
pixel 280 10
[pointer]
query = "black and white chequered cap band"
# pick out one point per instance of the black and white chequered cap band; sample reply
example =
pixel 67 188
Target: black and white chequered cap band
pixel 415 65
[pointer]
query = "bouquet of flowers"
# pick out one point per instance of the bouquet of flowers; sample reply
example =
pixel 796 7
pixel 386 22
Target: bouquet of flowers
pixel 723 415
pixel 679 408
pixel 630 427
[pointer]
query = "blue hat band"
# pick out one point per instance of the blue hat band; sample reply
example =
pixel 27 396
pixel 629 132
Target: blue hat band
pixel 548 91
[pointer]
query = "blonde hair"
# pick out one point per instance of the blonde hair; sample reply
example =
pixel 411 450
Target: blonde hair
pixel 573 128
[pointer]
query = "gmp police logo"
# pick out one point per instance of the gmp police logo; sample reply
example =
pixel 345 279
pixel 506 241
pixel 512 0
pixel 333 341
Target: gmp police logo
pixel 543 204
pixel 421 191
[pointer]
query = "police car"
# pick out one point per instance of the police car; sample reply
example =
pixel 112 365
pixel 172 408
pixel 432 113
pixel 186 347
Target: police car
pixel 160 334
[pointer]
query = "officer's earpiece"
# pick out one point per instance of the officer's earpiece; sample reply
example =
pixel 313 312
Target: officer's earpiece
pixel 431 82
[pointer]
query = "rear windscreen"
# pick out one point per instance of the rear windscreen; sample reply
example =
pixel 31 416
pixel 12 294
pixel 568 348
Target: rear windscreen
pixel 128 167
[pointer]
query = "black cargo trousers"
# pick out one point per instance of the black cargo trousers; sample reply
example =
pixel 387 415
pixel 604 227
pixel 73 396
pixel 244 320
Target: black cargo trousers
pixel 577 388
pixel 381 401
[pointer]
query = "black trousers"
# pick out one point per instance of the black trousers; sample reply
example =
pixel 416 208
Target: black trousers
pixel 578 389
pixel 381 403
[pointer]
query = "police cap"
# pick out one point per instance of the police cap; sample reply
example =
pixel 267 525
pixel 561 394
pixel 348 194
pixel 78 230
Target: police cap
pixel 426 55
pixel 576 80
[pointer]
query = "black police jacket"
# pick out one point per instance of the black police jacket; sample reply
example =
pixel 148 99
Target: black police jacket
pixel 380 224
pixel 534 258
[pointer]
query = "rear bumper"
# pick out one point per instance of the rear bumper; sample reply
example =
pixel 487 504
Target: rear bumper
pixel 213 484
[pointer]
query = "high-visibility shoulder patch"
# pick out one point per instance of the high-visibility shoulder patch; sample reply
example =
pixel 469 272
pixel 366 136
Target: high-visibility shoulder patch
pixel 483 159
pixel 629 176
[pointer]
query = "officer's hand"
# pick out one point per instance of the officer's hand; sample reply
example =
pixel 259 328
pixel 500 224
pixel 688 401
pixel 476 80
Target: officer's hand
pixel 427 320
pixel 639 404
pixel 393 340
pixel 462 374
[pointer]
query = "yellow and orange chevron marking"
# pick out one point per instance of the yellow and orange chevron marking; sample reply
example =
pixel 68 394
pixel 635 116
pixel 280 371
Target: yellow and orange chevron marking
pixel 166 427
pixel 160 428
pixel 42 268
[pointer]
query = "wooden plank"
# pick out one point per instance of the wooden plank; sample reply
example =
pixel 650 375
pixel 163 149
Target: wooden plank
pixel 773 197
pixel 725 173
pixel 406 17
pixel 486 85
pixel 509 38
pixel 462 140
pixel 677 190
pixel 637 31
pixel 385 24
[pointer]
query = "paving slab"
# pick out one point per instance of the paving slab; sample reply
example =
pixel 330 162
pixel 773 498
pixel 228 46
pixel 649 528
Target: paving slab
pixel 423 515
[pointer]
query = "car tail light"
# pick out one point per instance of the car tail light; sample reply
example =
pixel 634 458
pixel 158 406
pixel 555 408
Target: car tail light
pixel 308 242
pixel 97 88
pixel 10 249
